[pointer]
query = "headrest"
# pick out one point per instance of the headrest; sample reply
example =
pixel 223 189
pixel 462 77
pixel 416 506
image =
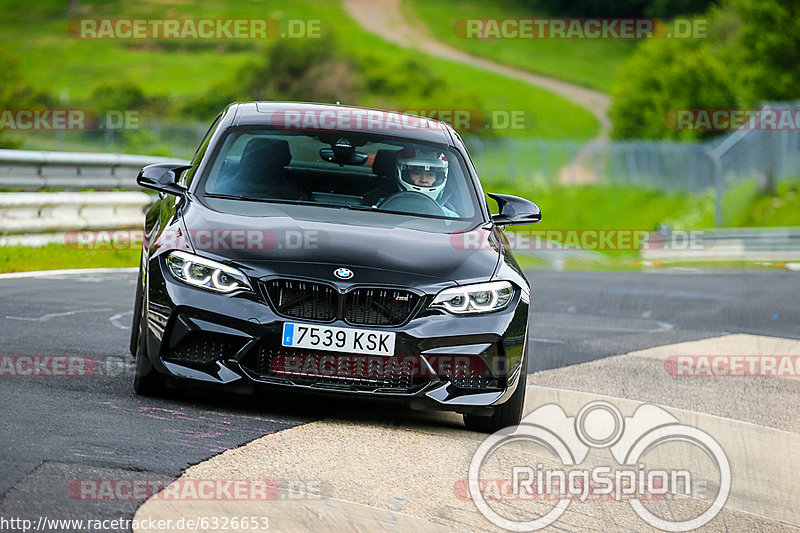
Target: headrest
pixel 385 163
pixel 260 154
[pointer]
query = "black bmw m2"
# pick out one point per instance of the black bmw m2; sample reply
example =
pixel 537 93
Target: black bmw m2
pixel 333 250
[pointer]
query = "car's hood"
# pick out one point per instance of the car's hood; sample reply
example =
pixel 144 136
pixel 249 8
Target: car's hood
pixel 289 242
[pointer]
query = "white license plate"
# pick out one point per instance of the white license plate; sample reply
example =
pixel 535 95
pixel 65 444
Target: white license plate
pixel 338 339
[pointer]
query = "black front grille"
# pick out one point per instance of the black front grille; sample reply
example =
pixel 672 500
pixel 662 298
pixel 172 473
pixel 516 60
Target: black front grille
pixel 464 371
pixel 303 299
pixel 481 381
pixel 337 370
pixel 204 348
pixel 379 307
pixel 370 306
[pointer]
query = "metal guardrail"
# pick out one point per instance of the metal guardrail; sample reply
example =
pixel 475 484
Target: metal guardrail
pixel 730 244
pixel 34 213
pixel 29 217
pixel 27 170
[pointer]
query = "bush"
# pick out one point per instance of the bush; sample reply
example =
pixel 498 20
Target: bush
pixel 118 95
pixel 765 53
pixel 15 93
pixel 618 8
pixel 315 70
pixel 308 70
pixel 666 75
pixel 751 55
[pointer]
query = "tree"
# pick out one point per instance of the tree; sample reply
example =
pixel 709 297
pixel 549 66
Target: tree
pixel 17 94
pixel 664 75
pixel 765 52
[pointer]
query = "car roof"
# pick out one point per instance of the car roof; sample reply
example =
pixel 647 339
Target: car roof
pixel 303 116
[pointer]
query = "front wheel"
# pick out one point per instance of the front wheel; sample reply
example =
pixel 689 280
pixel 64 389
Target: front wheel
pixel 146 381
pixel 505 415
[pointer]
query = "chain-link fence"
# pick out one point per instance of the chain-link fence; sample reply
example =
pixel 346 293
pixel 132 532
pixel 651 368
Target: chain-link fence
pixel 768 156
pixel 668 166
pixel 145 136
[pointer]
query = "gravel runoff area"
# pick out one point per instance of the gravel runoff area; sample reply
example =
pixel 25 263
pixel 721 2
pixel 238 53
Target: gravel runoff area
pixel 394 470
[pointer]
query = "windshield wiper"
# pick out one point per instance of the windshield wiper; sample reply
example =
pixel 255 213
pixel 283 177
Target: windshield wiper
pixel 251 198
pixel 233 197
pixel 355 207
pixel 392 212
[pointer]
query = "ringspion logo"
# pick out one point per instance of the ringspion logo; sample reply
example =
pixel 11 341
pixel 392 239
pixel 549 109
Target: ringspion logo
pixel 634 479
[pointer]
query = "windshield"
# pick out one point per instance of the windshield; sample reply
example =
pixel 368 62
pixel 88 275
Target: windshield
pixel 343 170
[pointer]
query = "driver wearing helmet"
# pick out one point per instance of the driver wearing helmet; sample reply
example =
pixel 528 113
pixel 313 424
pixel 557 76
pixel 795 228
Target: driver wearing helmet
pixel 421 171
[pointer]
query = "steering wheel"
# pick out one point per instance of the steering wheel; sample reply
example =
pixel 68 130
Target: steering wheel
pixel 412 202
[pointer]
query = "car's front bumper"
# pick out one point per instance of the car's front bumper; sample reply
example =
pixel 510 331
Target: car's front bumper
pixel 220 340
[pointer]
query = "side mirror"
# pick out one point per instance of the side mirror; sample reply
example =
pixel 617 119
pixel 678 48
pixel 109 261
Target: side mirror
pixel 162 177
pixel 515 210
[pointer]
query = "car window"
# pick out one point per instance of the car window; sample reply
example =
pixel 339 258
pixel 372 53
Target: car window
pixel 342 169
pixel 188 176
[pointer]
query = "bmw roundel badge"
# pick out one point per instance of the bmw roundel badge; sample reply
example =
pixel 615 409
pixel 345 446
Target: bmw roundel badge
pixel 343 273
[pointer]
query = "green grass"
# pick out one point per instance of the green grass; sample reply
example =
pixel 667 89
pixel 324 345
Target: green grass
pixel 616 207
pixel 591 63
pixel 51 58
pixel 563 208
pixel 631 263
pixel 177 71
pixel 761 210
pixel 613 207
pixel 58 256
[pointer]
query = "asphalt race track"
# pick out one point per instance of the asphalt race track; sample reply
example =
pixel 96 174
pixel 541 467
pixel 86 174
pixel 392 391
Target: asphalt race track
pixel 56 430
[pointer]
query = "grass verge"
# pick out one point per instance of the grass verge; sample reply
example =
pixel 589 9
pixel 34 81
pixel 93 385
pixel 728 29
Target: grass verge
pixel 59 256
pixel 177 71
pixel 591 63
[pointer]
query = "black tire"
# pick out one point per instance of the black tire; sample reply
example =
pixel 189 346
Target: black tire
pixel 137 315
pixel 507 414
pixel 146 381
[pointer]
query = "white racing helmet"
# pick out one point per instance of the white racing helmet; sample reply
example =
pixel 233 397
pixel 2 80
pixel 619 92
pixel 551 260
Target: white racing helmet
pixel 422 160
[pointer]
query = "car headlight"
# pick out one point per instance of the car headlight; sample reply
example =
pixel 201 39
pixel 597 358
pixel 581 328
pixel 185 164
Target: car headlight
pixel 477 298
pixel 205 273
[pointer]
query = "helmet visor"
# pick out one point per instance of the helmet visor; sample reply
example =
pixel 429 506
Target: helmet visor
pixel 422 175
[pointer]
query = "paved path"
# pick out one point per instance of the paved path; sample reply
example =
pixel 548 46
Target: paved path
pixel 387 19
pixel 61 430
